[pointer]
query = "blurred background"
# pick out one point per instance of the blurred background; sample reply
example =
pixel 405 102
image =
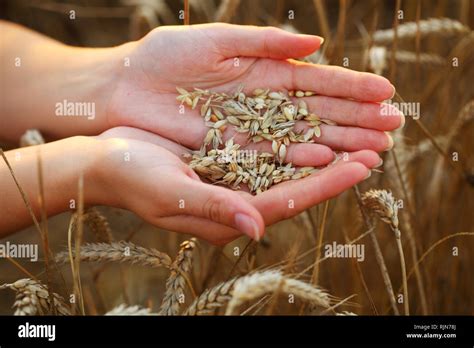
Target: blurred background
pixel 431 63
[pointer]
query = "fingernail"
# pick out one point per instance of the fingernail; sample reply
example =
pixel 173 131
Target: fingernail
pixel 312 37
pixel 379 164
pixel 368 175
pixel 390 142
pixel 247 225
pixel 402 121
pixel 394 91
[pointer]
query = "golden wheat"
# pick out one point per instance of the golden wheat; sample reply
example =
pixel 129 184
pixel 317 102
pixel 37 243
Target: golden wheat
pixel 32 298
pixel 125 252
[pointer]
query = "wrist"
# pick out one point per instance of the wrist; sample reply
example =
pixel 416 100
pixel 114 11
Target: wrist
pixel 103 170
pixel 95 74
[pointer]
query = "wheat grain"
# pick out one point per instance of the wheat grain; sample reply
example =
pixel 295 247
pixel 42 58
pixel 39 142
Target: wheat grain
pixel 32 298
pixel 267 115
pixel 175 284
pixel 119 252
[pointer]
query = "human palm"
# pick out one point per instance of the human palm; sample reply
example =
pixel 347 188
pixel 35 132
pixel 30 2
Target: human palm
pixel 157 185
pixel 219 57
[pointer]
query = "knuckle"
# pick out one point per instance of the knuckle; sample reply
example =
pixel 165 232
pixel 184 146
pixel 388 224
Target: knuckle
pixel 213 207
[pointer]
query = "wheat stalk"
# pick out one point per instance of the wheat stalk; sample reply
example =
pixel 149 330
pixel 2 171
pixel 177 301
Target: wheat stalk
pixel 382 203
pixel 445 26
pixel 119 252
pixel 32 298
pixel 175 284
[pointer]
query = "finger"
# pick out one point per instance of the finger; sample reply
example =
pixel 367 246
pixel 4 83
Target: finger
pixel 291 198
pixel 326 80
pixel 379 116
pixel 350 138
pixel 300 154
pixel 211 231
pixel 263 42
pixel 215 203
pixel 368 158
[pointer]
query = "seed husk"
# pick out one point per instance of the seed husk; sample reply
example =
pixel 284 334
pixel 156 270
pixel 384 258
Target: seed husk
pixel 264 116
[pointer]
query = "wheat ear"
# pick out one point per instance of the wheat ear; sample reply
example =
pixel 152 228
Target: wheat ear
pixel 258 284
pixel 408 30
pixel 382 204
pixel 238 290
pixel 119 252
pixel 32 298
pixel 175 284
pixel 212 299
pixel 97 223
pixel 378 253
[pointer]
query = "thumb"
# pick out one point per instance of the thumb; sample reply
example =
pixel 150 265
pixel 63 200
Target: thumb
pixel 262 42
pixel 222 206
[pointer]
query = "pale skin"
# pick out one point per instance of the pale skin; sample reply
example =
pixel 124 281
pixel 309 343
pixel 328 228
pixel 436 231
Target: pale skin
pixel 133 88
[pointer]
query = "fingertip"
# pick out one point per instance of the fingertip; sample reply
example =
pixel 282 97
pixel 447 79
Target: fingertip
pixel 358 170
pixel 368 158
pixel 378 88
pixel 250 225
pixel 305 44
pixel 390 142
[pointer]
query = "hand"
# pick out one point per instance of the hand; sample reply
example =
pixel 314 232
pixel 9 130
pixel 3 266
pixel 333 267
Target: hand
pixel 204 55
pixel 163 190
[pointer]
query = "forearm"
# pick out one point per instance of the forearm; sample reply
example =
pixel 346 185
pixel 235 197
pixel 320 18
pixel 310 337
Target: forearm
pixel 63 162
pixel 58 89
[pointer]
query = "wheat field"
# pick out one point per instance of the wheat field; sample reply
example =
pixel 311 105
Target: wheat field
pixel 413 216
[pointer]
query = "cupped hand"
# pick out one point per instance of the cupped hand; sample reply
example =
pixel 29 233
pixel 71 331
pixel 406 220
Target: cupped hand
pixel 145 173
pixel 219 57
